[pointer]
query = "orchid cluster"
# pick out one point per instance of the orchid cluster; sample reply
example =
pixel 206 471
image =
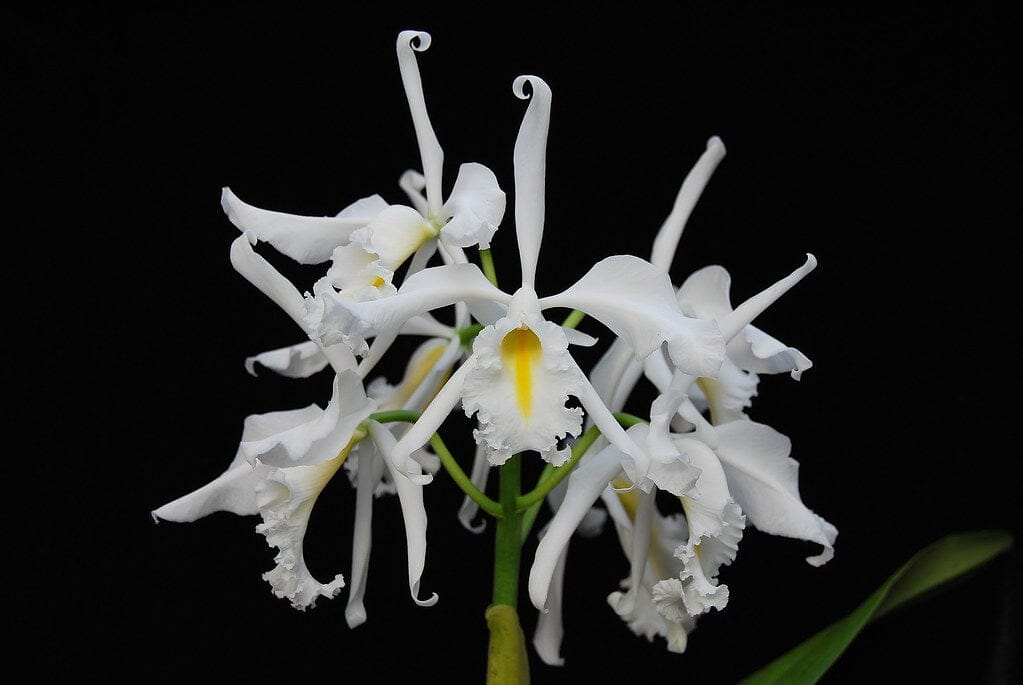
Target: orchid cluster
pixel 510 367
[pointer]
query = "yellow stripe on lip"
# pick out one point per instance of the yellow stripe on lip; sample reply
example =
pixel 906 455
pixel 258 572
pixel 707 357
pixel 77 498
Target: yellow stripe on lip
pixel 520 350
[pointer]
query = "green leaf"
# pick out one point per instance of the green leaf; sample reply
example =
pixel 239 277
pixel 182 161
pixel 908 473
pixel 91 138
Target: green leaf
pixel 926 572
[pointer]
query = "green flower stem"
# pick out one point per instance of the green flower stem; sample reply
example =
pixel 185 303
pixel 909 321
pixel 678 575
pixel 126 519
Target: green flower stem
pixel 551 476
pixel 628 420
pixel 487 260
pixel 573 319
pixel 450 465
pixel 507 541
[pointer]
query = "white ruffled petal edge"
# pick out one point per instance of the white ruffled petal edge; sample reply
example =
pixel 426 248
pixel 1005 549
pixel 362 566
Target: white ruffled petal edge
pixel 475 207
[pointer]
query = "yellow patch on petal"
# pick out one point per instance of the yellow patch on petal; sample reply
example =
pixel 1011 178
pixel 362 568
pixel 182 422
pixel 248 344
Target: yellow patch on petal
pixel 416 373
pixel 520 351
pixel 712 391
pixel 377 282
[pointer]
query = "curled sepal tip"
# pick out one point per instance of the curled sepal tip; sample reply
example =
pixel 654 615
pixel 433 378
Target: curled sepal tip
pixel 415 40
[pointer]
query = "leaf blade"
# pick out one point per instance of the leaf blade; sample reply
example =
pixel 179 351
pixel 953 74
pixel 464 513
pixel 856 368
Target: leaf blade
pixel 926 572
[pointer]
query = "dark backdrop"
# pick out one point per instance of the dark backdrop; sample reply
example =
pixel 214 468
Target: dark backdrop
pixel 877 139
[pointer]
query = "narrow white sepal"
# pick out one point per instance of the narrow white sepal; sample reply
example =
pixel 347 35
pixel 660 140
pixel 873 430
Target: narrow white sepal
pixel 429 147
pixel 271 283
pixel 410 494
pixel 549 625
pixel 733 323
pixel 530 158
pixel 666 242
pixel 429 421
pixel 585 484
pixel 371 468
pixel 479 475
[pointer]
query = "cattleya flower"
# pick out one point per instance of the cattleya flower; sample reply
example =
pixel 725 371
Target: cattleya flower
pixel 520 375
pixel 368 240
pixel 743 456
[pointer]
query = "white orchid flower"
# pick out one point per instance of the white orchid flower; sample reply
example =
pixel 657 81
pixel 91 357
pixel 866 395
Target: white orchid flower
pixel 363 268
pixel 706 293
pixel 284 462
pixel 520 373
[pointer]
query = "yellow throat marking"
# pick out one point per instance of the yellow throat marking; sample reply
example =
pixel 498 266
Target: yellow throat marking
pixel 520 350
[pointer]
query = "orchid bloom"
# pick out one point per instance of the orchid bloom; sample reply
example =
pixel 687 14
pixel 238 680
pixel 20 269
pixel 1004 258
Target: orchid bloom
pixel 520 374
pixel 715 519
pixel 363 268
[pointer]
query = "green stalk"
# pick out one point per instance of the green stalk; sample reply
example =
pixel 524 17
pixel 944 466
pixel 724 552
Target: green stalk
pixel 487 261
pixel 507 543
pixel 507 663
pixel 446 459
pixel 573 319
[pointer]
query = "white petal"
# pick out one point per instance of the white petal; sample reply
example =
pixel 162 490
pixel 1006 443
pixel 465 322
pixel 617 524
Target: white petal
pixel 585 484
pixel 295 361
pixel 757 352
pixel 286 497
pixel 318 439
pixel 549 628
pixel 635 299
pixel 530 157
pixel 518 390
pixel 306 239
pixel 729 394
pixel 715 529
pixel 234 490
pixel 764 481
pixel 667 238
pixel 413 512
pixel 476 207
pixel 271 283
pixel 427 290
pixel 479 476
pixel 370 470
pixel 429 147
pixel 425 324
pixel 609 372
pixel 395 234
pixel 705 294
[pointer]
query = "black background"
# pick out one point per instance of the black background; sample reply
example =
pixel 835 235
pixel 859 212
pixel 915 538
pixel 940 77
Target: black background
pixel 879 140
